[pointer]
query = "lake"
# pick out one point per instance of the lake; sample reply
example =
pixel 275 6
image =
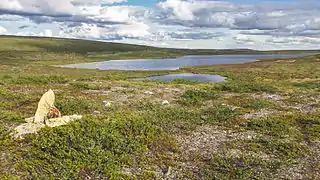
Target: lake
pixel 175 64
pixel 186 76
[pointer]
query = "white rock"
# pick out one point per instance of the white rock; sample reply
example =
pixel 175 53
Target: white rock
pixel 149 92
pixel 96 112
pixel 62 121
pixel 107 104
pixel 31 128
pixel 165 102
pixel 27 128
pixel 46 101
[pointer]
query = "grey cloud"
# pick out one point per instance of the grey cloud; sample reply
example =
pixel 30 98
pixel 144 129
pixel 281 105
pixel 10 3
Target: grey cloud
pixel 23 27
pixel 242 17
pixel 195 35
pixel 72 19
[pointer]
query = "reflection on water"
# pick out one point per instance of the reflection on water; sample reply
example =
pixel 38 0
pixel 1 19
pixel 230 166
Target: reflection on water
pixel 174 64
pixel 186 76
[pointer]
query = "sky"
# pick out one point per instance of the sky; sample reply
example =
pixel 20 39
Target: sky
pixel 201 24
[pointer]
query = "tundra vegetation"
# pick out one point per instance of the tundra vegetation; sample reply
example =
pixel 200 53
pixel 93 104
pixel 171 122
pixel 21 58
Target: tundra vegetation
pixel 263 123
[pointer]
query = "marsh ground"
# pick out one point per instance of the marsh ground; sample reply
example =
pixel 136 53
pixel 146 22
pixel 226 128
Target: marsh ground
pixel 264 123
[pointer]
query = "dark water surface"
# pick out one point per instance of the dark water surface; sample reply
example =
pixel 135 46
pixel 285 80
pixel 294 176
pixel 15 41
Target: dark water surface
pixel 186 76
pixel 174 64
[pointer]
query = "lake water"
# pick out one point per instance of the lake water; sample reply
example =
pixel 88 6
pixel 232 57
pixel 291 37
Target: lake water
pixel 186 76
pixel 174 64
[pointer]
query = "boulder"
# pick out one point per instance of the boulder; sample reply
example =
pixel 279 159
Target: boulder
pixel 46 115
pixel 30 127
pixel 46 101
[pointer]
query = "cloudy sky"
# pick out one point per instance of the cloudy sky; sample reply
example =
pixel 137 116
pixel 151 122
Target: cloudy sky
pixel 256 24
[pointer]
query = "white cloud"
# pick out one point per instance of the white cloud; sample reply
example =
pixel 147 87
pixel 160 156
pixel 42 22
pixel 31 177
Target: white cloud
pixel 172 23
pixel 3 30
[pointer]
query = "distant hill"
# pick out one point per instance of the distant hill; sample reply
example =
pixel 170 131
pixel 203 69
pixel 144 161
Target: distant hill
pixel 47 44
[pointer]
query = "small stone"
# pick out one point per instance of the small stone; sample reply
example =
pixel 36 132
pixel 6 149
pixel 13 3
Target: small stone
pixel 107 104
pixel 165 102
pixel 96 112
pixel 149 92
pixel 167 172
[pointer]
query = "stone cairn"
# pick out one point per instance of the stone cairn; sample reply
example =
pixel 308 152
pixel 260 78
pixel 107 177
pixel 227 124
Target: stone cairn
pixel 46 115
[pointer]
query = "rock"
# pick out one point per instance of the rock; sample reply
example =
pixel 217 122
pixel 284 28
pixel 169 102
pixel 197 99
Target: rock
pixel 30 127
pixel 62 120
pixel 148 92
pixel 167 172
pixel 27 128
pixel 46 115
pixel 96 112
pixel 107 104
pixel 29 120
pixel 46 101
pixel 165 102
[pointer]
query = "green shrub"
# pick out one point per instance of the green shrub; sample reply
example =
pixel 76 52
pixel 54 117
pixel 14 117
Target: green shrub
pixel 41 79
pixel 309 125
pixel 308 85
pixel 197 97
pixel 172 118
pixel 69 106
pixel 85 86
pixel 245 87
pixel 7 116
pixel 219 114
pixel 300 126
pixel 280 126
pixel 242 167
pixel 99 148
pixel 286 151
pixel 250 102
